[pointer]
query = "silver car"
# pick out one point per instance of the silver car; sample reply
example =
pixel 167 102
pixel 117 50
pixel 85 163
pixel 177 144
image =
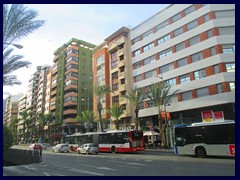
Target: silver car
pixel 60 148
pixel 88 148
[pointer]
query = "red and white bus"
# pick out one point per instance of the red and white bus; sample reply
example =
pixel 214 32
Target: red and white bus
pixel 110 141
pixel 121 141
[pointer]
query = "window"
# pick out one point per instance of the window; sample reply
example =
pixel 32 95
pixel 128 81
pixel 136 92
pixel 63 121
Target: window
pixel 176 17
pixel 147 34
pixel 213 51
pixel 184 78
pixel 171 82
pixel 74 51
pixel 149 103
pixel 199 74
pixel 149 60
pixel 137 52
pixel 219 88
pixel 194 40
pixel 166 68
pixel 72 66
pixel 148 47
pixel 216 69
pixel 186 95
pixel 164 39
pixel 74 99
pixel 178 31
pixel 137 65
pixel 192 25
pixel 182 62
pixel 72 58
pixel 189 10
pixel 206 17
pixel 232 86
pixel 197 57
pixel 114 64
pixel 209 33
pixel 230 67
pixel 161 25
pixel 100 60
pixel 202 92
pixel 165 53
pixel 150 74
pixel 180 46
pixel 228 48
pixel 71 82
pixel 135 40
pixel 226 30
pixel 141 105
pixel 138 78
pixel 225 14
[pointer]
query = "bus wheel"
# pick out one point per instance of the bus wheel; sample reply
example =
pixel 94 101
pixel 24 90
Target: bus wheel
pixel 71 148
pixel 113 149
pixel 200 152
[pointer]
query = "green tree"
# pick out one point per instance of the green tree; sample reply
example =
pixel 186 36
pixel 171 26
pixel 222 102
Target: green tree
pixel 18 22
pixel 13 126
pixel 86 117
pixel 159 95
pixel 11 64
pixel 7 138
pixel 135 98
pixel 42 121
pixel 115 112
pixel 26 117
pixel 99 91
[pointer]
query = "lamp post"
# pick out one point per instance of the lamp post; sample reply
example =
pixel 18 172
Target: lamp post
pixel 166 126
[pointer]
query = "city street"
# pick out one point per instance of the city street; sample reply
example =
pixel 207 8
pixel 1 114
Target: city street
pixel 147 163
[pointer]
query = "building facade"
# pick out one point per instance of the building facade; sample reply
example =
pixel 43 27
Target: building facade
pixel 191 47
pixel 71 73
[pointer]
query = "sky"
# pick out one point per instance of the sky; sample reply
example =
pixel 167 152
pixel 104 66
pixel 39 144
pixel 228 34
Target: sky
pixel 89 22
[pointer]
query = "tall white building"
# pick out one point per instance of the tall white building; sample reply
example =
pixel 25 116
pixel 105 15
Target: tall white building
pixel 192 48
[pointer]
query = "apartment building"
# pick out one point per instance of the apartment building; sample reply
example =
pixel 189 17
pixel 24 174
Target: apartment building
pixel 21 108
pixel 11 108
pixel 121 72
pixel 191 47
pixel 101 77
pixel 71 73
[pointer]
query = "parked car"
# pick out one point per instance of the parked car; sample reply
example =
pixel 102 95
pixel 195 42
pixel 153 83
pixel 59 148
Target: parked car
pixel 44 145
pixel 88 148
pixel 35 146
pixel 60 148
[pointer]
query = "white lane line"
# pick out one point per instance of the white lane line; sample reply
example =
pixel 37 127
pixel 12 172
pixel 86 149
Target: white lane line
pixel 106 168
pixel 137 164
pixel 131 163
pixel 133 167
pixel 31 168
pixel 51 174
pixel 85 172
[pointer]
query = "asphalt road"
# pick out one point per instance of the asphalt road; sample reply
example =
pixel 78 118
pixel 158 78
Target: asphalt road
pixel 154 163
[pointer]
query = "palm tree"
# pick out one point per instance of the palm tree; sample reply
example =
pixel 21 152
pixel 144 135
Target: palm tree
pixel 86 117
pixel 49 118
pixel 159 95
pixel 42 121
pixel 115 112
pixel 99 91
pixel 13 126
pixel 24 115
pixel 10 64
pixel 135 97
pixel 18 22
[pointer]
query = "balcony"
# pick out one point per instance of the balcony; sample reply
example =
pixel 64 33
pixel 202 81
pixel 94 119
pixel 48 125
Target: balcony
pixel 71 78
pixel 121 75
pixel 71 70
pixel 115 44
pixel 120 52
pixel 70 86
pixel 121 63
pixel 72 94
pixel 52 107
pixel 55 58
pixel 54 92
pixel 71 62
pixel 70 111
pixel 70 120
pixel 70 103
pixel 53 99
pixel 122 100
pixel 122 87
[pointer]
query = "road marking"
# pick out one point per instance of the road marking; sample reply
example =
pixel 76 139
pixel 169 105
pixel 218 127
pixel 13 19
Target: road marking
pixel 148 160
pixel 138 164
pixel 51 174
pixel 133 167
pixel 106 168
pixel 85 172
pixel 31 168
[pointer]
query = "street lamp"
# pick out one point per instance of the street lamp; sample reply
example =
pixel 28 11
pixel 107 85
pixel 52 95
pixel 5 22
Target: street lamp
pixel 165 117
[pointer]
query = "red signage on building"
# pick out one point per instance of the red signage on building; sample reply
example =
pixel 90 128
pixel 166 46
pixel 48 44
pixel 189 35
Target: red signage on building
pixel 218 116
pixel 207 116
pixel 231 148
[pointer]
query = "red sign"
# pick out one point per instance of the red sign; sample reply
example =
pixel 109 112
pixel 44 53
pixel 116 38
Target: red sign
pixel 218 115
pixel 231 149
pixel 207 116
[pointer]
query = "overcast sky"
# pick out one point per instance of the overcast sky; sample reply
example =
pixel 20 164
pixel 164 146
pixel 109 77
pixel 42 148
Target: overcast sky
pixel 90 23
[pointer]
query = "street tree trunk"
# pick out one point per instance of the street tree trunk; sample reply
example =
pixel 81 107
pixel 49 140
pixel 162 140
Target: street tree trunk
pixel 162 130
pixel 136 120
